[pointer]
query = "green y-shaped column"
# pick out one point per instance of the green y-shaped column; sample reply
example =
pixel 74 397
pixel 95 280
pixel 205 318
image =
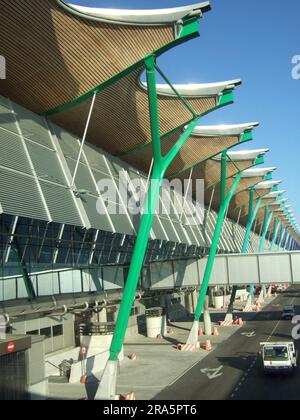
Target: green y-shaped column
pixel 276 231
pixel 107 387
pixel 267 221
pixel 288 237
pixel 251 219
pixel 225 201
pixel 282 234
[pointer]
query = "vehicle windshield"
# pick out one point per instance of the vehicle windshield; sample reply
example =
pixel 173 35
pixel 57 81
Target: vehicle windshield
pixel 276 354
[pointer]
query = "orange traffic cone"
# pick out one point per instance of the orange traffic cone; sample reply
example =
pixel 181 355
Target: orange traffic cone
pixel 215 332
pixel 201 332
pixel 207 345
pixel 130 396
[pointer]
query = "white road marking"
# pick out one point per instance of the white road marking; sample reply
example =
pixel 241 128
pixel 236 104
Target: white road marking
pixel 249 334
pixel 213 373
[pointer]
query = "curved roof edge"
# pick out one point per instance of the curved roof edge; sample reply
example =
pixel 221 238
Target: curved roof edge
pixel 223 130
pixel 137 17
pixel 253 172
pixel 191 90
pixel 247 154
pixel 275 194
pixel 243 155
pixel 265 185
pixel 278 202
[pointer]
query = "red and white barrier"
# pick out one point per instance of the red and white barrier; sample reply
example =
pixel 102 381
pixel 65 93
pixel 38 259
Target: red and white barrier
pixel 226 323
pixel 239 322
pixel 188 347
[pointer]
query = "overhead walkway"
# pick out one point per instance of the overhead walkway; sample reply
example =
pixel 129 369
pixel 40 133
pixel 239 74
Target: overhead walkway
pixel 229 270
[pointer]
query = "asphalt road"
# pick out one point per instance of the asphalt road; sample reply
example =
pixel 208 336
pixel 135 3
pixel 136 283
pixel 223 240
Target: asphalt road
pixel 234 370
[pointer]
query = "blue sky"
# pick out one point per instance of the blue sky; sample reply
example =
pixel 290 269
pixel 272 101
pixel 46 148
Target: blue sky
pixel 255 41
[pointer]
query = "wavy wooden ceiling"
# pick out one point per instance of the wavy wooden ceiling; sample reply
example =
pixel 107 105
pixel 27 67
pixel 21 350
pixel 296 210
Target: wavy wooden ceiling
pixel 54 57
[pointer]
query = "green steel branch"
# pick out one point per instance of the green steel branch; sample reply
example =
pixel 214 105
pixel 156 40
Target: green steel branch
pixel 160 167
pixel 251 218
pixel 225 99
pixel 282 234
pixel 244 138
pixel 185 103
pixel 258 161
pixel 287 241
pixel 218 230
pixel 276 231
pixel 266 225
pixel 27 280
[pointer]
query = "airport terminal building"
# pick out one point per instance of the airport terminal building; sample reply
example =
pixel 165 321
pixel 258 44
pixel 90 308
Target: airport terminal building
pixel 80 109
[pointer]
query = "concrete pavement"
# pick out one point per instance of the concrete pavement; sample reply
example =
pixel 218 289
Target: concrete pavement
pixel 159 364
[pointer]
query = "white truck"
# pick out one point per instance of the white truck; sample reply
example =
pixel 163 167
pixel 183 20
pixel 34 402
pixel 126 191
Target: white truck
pixel 279 358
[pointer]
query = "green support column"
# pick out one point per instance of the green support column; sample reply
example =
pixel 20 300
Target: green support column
pixel 287 241
pixel 251 219
pixel 277 227
pixel 282 234
pixel 225 201
pixel 27 280
pixel 22 265
pixel 266 225
pixel 107 387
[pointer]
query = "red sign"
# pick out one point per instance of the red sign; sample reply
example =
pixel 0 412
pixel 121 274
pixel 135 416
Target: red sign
pixel 11 347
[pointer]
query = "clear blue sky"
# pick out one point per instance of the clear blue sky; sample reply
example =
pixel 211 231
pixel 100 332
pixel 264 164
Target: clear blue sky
pixel 255 41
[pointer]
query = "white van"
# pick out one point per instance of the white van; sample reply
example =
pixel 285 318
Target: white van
pixel 279 358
